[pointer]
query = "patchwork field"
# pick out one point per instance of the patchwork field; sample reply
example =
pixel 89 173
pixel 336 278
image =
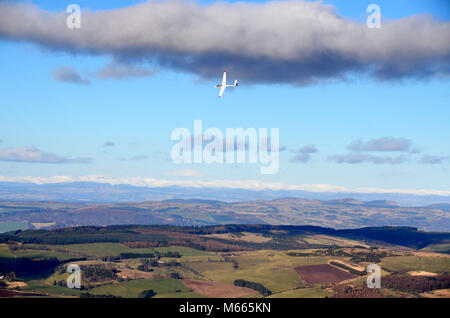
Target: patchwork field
pixel 256 262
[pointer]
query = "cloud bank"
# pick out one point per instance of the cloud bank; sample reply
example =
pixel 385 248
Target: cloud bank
pixel 244 184
pixel 295 42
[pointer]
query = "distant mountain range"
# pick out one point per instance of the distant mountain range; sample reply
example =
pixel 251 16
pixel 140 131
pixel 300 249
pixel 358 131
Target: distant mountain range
pixel 94 192
pixel 337 214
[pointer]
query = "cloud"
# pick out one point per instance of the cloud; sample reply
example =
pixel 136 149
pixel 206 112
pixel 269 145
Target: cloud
pixel 383 144
pixel 356 158
pixel 304 154
pixel 229 184
pixel 296 42
pixel 34 155
pixel 109 144
pixel 135 158
pixel 120 71
pixel 184 173
pixel 68 75
pixel 433 160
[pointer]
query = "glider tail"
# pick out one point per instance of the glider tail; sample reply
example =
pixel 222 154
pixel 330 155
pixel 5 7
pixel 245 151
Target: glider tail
pixel 236 83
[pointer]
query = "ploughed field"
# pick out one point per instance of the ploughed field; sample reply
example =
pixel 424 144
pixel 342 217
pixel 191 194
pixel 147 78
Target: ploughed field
pixel 322 274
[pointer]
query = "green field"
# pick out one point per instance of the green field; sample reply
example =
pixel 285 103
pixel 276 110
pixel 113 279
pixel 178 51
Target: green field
pixel 30 253
pixel 313 292
pixel 162 287
pixel 417 263
pixel 438 248
pixel 48 289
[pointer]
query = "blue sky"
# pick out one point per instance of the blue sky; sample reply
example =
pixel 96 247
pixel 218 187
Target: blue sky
pixel 137 115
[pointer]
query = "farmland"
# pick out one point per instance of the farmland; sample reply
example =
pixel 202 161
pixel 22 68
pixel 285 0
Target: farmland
pixel 186 262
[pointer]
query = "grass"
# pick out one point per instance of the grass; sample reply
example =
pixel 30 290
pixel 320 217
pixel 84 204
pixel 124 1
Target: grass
pixel 313 292
pixel 47 288
pixel 13 226
pixel 437 248
pixel 6 252
pixel 416 263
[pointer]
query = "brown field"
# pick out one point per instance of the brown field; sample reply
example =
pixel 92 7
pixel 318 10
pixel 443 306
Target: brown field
pixel 135 274
pixel 421 273
pixel 216 289
pixel 351 265
pixel 322 274
pixel 16 284
pixel 343 242
pixel 439 293
pixel 245 237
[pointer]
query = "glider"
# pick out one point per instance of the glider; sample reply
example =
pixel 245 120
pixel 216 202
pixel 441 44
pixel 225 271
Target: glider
pixel 224 84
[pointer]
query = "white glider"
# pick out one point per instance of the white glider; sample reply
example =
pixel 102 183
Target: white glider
pixel 224 84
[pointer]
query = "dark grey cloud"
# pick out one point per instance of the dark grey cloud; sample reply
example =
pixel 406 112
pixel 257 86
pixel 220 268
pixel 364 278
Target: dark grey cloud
pixel 68 75
pixel 433 160
pixel 109 144
pixel 296 42
pixel 383 144
pixel 204 139
pixel 34 155
pixel 356 158
pixel 304 154
pixel 123 71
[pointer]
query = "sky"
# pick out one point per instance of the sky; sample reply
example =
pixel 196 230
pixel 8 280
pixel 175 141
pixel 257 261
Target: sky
pixel 355 107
